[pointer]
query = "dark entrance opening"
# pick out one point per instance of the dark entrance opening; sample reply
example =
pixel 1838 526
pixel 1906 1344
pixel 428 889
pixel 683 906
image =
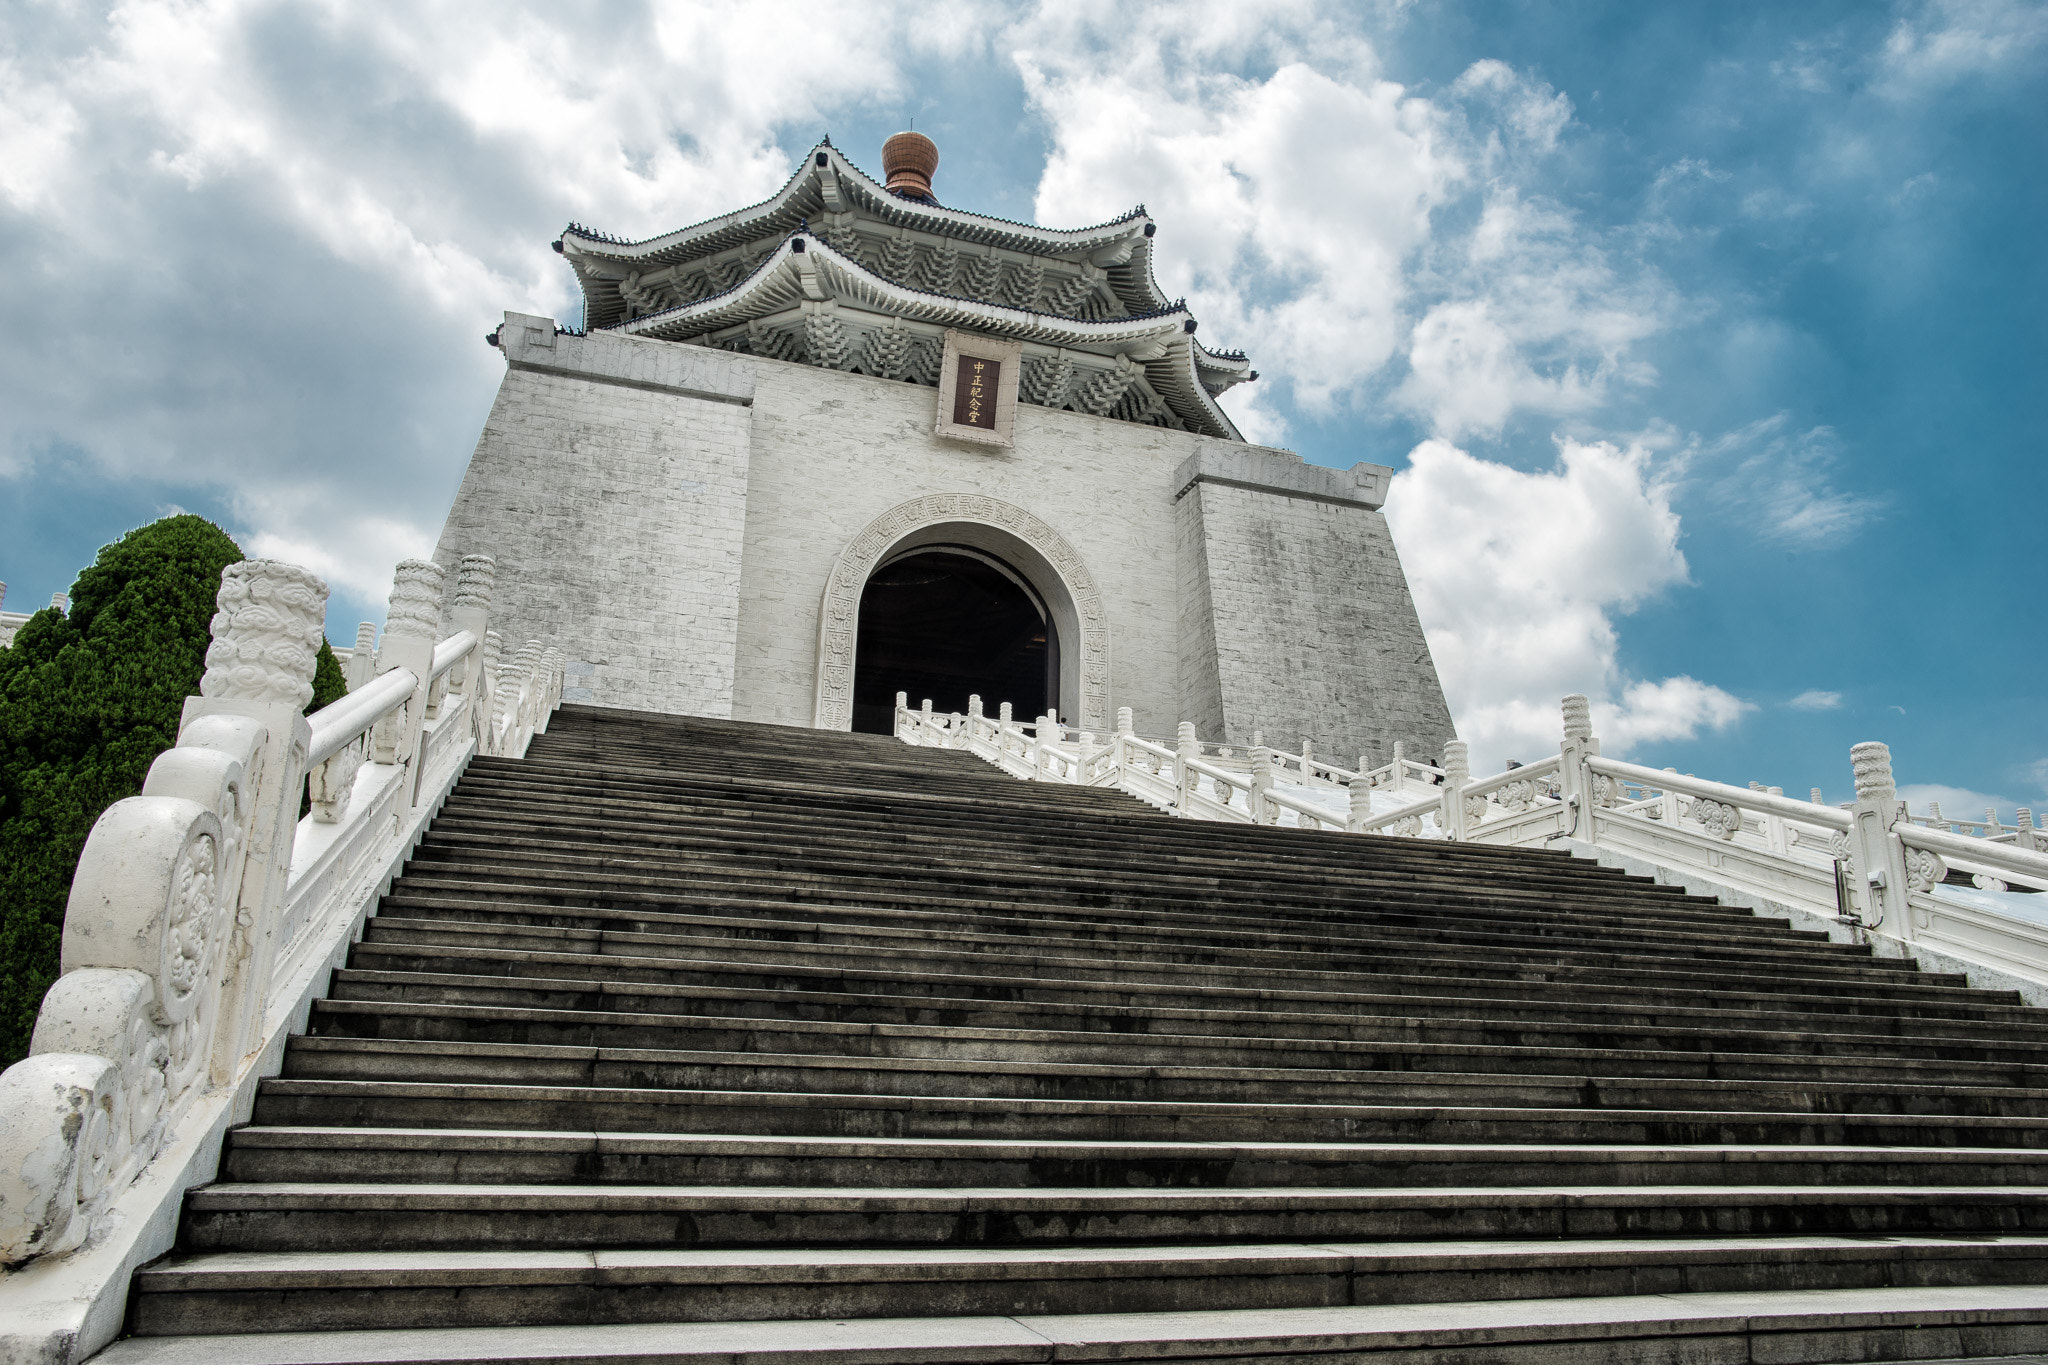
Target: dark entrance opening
pixel 947 622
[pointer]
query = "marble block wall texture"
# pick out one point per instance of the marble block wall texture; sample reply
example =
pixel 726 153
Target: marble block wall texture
pixel 668 516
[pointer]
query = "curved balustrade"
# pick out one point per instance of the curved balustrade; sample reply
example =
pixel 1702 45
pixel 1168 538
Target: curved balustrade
pixel 1870 867
pixel 205 915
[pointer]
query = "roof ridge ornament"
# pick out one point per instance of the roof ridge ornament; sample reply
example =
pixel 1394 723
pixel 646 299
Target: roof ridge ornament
pixel 909 160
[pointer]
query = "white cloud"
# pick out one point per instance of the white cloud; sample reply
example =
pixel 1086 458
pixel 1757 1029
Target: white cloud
pixel 1815 700
pixel 1540 323
pixel 1781 482
pixel 1948 42
pixel 1332 221
pixel 275 234
pixel 1519 576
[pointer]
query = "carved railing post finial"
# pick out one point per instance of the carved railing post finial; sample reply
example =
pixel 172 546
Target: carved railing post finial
pixel 1872 765
pixel 415 610
pixel 475 576
pixel 412 627
pixel 1457 763
pixel 1361 799
pixel 1123 720
pixel 362 660
pixel 266 633
pixel 1578 717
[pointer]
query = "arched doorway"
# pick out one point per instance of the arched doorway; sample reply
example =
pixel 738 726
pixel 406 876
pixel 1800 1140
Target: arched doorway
pixel 1015 538
pixel 947 622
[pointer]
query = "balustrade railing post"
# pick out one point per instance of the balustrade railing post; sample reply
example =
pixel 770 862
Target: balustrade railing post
pixel 1361 800
pixel 1400 766
pixel 475 577
pixel 552 662
pixel 362 660
pixel 899 724
pixel 1457 775
pixel 266 638
pixel 412 626
pixel 1263 811
pixel 1578 785
pixel 1186 749
pixel 489 741
pixel 1879 859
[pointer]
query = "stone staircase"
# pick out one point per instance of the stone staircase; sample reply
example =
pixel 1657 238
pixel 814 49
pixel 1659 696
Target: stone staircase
pixel 687 1041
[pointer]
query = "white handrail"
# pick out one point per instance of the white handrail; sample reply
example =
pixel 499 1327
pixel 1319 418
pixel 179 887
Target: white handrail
pixel 1486 786
pixel 451 652
pixel 1965 849
pixel 1428 805
pixel 1783 806
pixel 344 720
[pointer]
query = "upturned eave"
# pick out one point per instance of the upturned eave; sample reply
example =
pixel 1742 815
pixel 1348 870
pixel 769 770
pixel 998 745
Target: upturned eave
pixel 826 174
pixel 806 269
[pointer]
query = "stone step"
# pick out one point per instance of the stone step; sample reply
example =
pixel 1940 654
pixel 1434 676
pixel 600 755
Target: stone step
pixel 1784 1327
pixel 769 915
pixel 230 1291
pixel 517 1156
pixel 1256 965
pixel 344 1217
pixel 864 998
pixel 912 971
pixel 1542 1085
pixel 1363 1015
pixel 1488 1049
pixel 1409 906
pixel 1053 874
pixel 474 1104
pixel 815 843
pixel 1011 815
pixel 838 907
pixel 771 911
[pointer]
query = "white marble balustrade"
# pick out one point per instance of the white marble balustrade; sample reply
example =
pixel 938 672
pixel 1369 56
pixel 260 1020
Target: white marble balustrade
pixel 1867 871
pixel 206 915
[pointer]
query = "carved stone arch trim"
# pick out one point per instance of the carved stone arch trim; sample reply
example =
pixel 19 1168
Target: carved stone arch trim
pixel 839 622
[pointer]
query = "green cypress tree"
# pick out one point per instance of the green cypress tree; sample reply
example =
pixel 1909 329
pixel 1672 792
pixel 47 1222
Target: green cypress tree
pixel 87 701
pixel 328 682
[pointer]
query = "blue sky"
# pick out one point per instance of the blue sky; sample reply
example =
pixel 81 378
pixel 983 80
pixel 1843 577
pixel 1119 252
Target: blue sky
pixel 1706 338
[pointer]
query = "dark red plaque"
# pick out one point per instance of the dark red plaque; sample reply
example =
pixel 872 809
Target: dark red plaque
pixel 974 392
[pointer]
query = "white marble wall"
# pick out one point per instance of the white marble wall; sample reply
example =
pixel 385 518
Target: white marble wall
pixel 615 508
pixel 669 515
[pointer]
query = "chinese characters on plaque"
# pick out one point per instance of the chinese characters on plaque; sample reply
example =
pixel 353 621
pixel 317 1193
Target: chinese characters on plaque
pixel 974 392
pixel 978 388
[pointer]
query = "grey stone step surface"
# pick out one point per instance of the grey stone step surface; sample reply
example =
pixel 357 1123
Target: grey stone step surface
pixel 315 1217
pixel 1409 1045
pixel 1935 1326
pixel 687 1039
pixel 297 1155
pixel 342 1290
